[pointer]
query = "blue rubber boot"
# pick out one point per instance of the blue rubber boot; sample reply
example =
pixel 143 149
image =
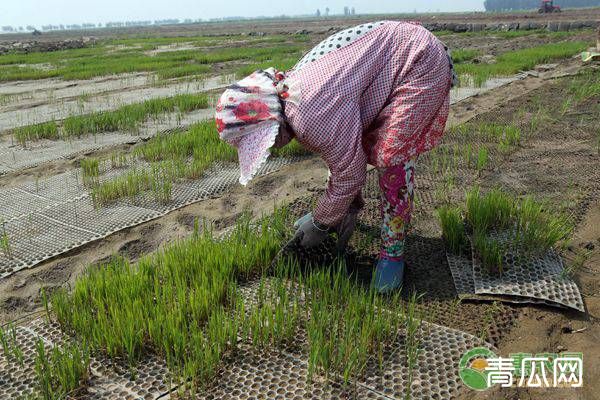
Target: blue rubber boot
pixel 389 275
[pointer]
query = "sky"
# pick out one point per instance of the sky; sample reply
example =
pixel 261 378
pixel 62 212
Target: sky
pixel 42 12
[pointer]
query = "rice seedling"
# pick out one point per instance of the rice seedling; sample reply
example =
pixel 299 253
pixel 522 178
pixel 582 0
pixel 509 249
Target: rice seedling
pixel 118 160
pixel 60 372
pixel 46 130
pixel 130 117
pixel 490 252
pixel 347 323
pixel 538 229
pixel 488 319
pixel 10 346
pixel 102 60
pixel 126 118
pixel 90 168
pixel 294 148
pixel 5 241
pixel 464 55
pixel 494 210
pixel 482 159
pixel 453 228
pixel 532 229
pixel 581 257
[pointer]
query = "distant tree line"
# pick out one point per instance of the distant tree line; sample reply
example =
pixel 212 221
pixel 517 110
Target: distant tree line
pixel 112 24
pixel 507 5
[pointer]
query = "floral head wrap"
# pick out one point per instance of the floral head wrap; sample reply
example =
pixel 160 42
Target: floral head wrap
pixel 248 116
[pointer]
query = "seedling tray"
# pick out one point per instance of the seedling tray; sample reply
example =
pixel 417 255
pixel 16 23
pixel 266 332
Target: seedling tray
pixel 535 280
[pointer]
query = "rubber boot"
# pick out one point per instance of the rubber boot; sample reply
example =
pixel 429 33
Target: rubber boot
pixel 389 275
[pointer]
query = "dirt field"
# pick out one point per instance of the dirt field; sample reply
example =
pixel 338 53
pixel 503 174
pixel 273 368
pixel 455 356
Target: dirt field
pixel 557 161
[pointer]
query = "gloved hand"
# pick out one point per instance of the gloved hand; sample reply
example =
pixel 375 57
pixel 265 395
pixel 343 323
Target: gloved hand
pixel 311 233
pixel 302 220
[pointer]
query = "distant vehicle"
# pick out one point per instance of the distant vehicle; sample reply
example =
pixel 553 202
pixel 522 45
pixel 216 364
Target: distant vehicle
pixel 36 33
pixel 547 6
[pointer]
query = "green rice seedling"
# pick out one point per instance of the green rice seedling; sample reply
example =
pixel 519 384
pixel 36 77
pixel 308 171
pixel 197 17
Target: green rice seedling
pixel 60 372
pixel 177 303
pixel 118 160
pixel 482 159
pixel 494 210
pixel 464 55
pixel 46 130
pixel 275 320
pixel 90 168
pixel 538 229
pixel 187 70
pixel 10 346
pixel 488 319
pixel 490 252
pixel 181 155
pixel 130 117
pixel 294 148
pixel 453 228
pixel 5 241
pixel 346 323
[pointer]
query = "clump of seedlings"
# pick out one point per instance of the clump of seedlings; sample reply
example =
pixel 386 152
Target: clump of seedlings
pixel 181 303
pixel 10 346
pixel 5 241
pixel 184 305
pixel 90 168
pixel 453 228
pixel 127 118
pixel 61 371
pixel 174 156
pixel 46 130
pixel 498 222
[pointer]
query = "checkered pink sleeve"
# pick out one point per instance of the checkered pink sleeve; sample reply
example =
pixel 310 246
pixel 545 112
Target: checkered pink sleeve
pixel 343 153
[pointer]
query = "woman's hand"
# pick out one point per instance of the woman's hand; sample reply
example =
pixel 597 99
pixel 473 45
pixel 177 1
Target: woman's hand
pixel 311 233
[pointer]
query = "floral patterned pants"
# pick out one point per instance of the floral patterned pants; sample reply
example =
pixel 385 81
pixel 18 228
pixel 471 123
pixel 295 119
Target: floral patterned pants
pixel 397 194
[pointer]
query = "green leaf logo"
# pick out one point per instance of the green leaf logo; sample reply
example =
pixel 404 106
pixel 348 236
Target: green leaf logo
pixel 471 367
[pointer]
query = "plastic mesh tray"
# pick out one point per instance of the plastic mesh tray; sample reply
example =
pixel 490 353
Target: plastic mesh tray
pixel 82 214
pixel 36 238
pixel 541 278
pixel 17 202
pixel 107 381
pixel 256 375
